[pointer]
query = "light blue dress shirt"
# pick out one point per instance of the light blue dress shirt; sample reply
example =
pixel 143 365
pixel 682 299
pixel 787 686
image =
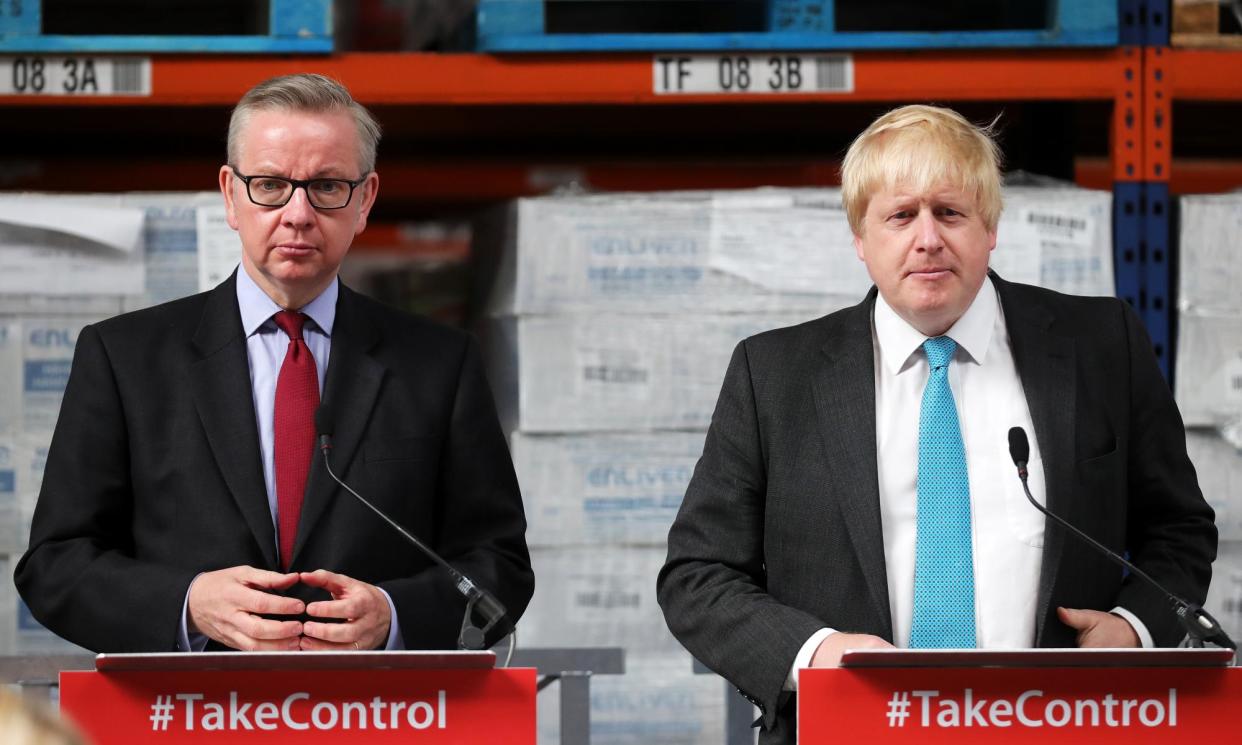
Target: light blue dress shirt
pixel 266 346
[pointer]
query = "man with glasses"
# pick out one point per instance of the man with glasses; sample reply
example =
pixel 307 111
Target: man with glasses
pixel 184 504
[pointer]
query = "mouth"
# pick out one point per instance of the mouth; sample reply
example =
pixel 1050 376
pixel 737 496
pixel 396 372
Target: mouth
pixel 294 249
pixel 929 273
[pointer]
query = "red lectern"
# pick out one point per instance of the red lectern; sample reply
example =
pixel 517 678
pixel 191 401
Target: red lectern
pixel 1021 696
pixel 319 697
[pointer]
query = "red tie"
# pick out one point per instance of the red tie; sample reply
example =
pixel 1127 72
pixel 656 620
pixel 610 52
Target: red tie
pixel 297 397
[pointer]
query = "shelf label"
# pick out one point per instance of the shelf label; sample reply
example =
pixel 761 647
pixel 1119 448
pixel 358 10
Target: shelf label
pixel 78 75
pixel 771 73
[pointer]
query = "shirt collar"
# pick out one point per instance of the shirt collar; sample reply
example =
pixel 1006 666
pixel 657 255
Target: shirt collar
pixel 257 308
pixel 899 341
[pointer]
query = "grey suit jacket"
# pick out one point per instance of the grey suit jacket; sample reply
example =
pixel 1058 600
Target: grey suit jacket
pixel 779 533
pixel 154 475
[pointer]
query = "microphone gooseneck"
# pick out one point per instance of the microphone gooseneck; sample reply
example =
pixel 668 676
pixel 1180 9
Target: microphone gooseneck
pixel 489 608
pixel 1198 623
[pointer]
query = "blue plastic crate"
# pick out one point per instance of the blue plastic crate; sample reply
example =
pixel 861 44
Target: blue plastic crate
pixel 520 26
pixel 294 26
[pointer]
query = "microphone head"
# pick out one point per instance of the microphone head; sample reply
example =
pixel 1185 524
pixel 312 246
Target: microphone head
pixel 323 421
pixel 1019 447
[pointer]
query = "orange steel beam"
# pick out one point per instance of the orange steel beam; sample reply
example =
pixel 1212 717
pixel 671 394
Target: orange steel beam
pixel 1204 74
pixel 463 79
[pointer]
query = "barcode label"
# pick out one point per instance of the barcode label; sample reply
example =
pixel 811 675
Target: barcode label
pixel 834 73
pixel 130 76
pixel 36 75
pixel 757 73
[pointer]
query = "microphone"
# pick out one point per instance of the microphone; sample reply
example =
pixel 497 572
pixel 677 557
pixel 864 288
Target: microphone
pixel 489 608
pixel 1198 623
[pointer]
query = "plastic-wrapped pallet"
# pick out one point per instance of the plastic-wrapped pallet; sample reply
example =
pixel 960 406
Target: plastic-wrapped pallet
pixel 763 249
pixel 590 489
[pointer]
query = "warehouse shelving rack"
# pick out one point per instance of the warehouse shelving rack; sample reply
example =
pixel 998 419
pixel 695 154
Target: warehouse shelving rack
pixel 1139 79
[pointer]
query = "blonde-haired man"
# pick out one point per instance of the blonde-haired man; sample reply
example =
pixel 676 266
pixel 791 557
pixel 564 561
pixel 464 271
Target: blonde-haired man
pixel 856 490
pixel 184 504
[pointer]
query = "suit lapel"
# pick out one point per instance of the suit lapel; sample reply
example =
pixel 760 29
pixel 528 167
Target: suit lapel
pixel 220 386
pixel 1046 365
pixel 351 386
pixel 844 386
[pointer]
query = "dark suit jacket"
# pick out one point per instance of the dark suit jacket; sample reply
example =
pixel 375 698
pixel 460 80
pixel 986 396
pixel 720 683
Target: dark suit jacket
pixel 154 475
pixel 779 534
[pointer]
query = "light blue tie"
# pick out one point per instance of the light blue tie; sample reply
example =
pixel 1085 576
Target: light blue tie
pixel 944 575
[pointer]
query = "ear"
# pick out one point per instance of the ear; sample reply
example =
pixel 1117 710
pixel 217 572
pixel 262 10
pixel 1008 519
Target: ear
pixel 226 188
pixel 992 239
pixel 858 248
pixel 368 191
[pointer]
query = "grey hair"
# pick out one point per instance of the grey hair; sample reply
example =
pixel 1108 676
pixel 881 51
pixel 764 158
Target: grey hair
pixel 305 92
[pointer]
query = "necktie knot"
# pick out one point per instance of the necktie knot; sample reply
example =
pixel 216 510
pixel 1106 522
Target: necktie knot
pixel 939 351
pixel 290 322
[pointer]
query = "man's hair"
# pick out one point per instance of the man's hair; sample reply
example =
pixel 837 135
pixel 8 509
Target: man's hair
pixel 307 93
pixel 922 147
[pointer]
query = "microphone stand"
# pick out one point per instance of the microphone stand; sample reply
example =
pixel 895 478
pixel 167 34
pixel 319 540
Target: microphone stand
pixel 490 609
pixel 1200 626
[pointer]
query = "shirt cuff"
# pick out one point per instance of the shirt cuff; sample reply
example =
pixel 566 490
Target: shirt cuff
pixel 394 627
pixel 1139 627
pixel 187 642
pixel 803 660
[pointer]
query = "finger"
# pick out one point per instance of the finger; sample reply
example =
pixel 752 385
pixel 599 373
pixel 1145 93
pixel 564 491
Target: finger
pixel 349 607
pixel 338 633
pixel 250 644
pixel 267 629
pixel 1075 619
pixel 256 601
pixel 311 644
pixel 261 578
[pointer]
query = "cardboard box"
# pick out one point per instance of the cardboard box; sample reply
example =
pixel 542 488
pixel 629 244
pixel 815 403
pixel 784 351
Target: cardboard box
pixel 592 489
pixel 1209 243
pixel 624 372
pixel 1208 378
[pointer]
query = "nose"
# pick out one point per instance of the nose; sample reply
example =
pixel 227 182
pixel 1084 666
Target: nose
pixel 298 212
pixel 927 231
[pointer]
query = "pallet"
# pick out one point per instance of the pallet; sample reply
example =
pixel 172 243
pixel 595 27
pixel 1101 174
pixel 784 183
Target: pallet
pixel 291 27
pixel 532 26
pixel 1197 24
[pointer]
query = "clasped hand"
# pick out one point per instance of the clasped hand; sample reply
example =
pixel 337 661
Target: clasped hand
pixel 228 605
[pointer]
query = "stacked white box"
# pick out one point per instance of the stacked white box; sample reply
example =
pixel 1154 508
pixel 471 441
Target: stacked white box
pixel 1218 465
pixel 583 490
pixel 67 261
pixel 1208 378
pixel 585 373
pixel 682 252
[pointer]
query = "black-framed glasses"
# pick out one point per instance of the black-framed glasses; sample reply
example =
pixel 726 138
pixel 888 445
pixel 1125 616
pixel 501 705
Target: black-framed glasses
pixel 276 191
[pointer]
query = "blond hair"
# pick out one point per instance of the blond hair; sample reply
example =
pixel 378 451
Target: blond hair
pixel 31 723
pixel 308 93
pixel 922 147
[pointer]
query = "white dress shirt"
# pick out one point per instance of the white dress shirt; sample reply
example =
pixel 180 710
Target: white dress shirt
pixel 1007 533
